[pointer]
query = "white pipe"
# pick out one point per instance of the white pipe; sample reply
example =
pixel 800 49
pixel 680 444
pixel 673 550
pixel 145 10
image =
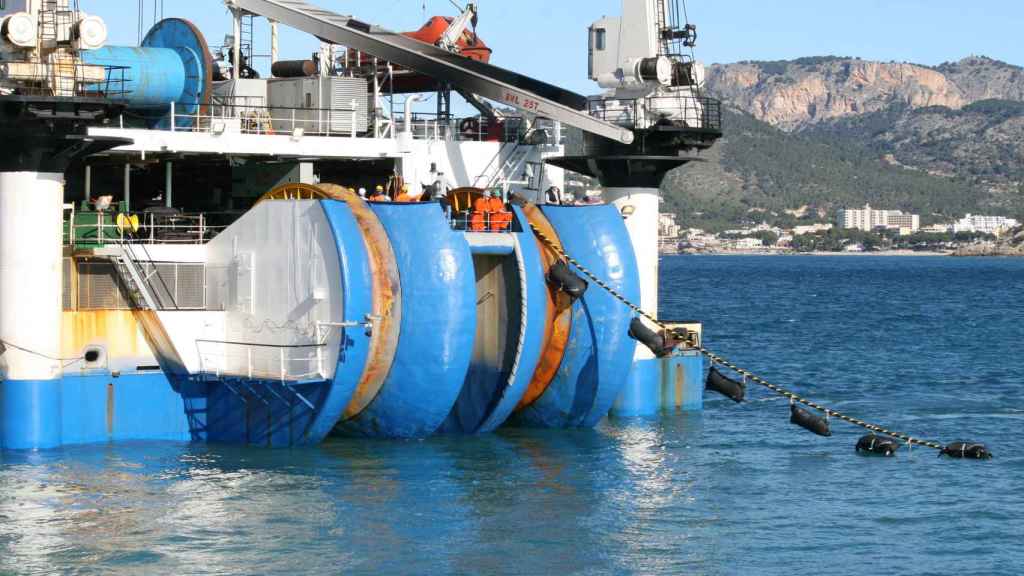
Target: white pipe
pixel 408 112
pixel 236 48
pixel 273 42
pixel 31 223
pixel 88 182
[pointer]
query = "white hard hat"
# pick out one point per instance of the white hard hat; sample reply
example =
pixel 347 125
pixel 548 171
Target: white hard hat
pixel 362 192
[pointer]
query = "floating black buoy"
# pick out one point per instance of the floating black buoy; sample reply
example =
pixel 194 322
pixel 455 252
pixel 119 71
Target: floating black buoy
pixel 662 344
pixel 564 279
pixel 718 382
pixel 968 450
pixel 808 421
pixel 874 444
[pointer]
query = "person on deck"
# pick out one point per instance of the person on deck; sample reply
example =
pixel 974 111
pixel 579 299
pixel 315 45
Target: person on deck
pixel 379 195
pixel 500 218
pixel 407 197
pixel 481 209
pixel 553 196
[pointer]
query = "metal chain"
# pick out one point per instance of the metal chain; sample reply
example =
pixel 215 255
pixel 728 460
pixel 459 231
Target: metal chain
pixel 715 358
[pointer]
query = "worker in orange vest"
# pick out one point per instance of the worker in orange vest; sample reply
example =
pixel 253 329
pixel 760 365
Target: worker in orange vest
pixel 379 195
pixel 500 218
pixel 406 197
pixel 481 208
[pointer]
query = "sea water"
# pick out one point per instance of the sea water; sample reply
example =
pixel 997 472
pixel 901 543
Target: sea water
pixel 929 346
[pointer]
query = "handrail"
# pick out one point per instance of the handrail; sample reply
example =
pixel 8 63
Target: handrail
pixel 252 368
pixel 180 229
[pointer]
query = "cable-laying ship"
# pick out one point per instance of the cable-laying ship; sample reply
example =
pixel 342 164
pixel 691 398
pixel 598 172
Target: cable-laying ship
pixel 188 253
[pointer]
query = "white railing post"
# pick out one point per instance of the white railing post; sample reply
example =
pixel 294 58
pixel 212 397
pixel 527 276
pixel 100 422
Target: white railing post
pixel 172 116
pixel 248 351
pixel 355 105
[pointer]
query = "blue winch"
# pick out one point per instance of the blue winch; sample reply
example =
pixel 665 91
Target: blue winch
pixel 173 65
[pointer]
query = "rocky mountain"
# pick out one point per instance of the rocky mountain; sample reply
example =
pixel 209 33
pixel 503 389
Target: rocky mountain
pixel 808 136
pixel 795 94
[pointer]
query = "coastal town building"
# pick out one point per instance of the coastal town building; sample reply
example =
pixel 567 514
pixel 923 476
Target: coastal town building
pixel 996 225
pixel 811 229
pixel 667 226
pixel 868 219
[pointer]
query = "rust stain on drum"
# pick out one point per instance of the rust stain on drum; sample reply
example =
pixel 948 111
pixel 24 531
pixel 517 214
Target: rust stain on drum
pixel 559 316
pixel 387 300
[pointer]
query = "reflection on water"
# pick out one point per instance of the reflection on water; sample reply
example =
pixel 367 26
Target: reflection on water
pixel 519 501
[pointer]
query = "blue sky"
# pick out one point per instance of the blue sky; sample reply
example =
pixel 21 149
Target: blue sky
pixel 547 39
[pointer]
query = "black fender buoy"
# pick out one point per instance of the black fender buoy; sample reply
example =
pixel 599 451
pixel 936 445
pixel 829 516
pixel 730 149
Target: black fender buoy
pixel 660 344
pixel 966 450
pixel 565 280
pixel 808 421
pixel 718 382
pixel 874 444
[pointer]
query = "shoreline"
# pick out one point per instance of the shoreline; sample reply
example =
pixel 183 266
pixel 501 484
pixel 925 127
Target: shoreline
pixel 886 254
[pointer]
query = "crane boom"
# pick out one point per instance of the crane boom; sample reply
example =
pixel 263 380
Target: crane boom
pixel 504 86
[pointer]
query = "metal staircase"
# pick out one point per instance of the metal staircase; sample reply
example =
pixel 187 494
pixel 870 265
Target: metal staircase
pixel 134 283
pixel 499 172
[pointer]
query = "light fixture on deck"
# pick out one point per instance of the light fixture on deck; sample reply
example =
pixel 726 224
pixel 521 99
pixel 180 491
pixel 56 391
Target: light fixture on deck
pixel 627 210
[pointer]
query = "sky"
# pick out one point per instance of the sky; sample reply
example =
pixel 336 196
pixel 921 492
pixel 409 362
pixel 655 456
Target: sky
pixel 546 39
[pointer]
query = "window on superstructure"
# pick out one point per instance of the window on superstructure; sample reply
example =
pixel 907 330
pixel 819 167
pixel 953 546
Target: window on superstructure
pixel 599 38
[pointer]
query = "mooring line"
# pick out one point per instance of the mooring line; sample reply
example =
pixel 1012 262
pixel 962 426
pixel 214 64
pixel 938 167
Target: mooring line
pixel 716 359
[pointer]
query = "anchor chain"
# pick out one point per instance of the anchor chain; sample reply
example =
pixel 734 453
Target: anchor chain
pixel 715 358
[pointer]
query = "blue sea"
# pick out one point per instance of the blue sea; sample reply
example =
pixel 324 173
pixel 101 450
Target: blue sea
pixel 929 346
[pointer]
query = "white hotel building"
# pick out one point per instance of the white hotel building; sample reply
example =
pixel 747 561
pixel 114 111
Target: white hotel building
pixel 867 219
pixel 996 225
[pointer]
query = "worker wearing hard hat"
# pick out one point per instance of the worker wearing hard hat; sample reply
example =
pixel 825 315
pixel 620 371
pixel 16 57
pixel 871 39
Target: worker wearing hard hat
pixel 481 208
pixel 379 195
pixel 500 218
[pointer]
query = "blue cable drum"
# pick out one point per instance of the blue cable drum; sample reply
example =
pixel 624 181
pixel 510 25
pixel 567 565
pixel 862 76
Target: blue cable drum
pixel 172 65
pixel 484 406
pixel 599 354
pixel 437 329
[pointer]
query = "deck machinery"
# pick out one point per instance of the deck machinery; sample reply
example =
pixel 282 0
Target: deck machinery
pixel 152 287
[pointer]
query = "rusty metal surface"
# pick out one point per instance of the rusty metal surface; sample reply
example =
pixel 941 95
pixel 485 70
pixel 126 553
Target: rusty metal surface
pixel 559 316
pixel 167 355
pixel 387 299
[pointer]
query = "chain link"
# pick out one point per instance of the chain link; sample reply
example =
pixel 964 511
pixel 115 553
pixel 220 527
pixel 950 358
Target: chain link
pixel 715 358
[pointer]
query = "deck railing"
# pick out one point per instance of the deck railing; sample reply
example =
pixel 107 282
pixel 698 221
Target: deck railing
pixel 93 229
pixel 254 361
